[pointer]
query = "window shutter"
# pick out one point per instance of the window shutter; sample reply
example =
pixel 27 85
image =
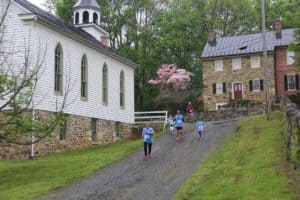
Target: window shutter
pixel 224 87
pixel 261 84
pixel 214 88
pixel 250 85
pixel 297 81
pixel 285 83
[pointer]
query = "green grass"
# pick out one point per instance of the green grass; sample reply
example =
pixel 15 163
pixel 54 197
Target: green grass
pixel 248 166
pixel 27 179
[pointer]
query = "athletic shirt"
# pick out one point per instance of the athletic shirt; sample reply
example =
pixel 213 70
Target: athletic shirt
pixel 178 120
pixel 200 125
pixel 148 135
pixel 170 122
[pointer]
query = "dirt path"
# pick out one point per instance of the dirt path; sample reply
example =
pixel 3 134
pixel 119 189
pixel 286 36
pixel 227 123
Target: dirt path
pixel 156 179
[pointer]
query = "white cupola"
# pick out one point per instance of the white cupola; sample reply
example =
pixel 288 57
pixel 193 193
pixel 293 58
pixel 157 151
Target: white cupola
pixel 86 12
pixel 87 16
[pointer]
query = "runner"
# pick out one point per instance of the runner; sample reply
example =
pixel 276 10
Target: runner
pixel 200 125
pixel 179 125
pixel 147 135
pixel 190 110
pixel 171 125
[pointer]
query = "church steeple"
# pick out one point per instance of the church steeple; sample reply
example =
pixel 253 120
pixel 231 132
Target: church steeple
pixel 86 12
pixel 87 15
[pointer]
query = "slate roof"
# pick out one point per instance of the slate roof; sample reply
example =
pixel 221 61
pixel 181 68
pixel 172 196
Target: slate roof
pixel 69 29
pixel 246 44
pixel 86 4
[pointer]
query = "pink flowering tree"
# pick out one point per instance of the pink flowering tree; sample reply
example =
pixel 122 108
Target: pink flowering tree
pixel 172 81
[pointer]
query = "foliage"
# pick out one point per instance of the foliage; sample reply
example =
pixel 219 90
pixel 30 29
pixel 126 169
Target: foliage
pixel 64 9
pixel 247 166
pixel 23 179
pixel 155 32
pixel 296 45
pixel 169 78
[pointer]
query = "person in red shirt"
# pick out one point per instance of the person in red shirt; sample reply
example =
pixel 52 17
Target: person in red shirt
pixel 190 110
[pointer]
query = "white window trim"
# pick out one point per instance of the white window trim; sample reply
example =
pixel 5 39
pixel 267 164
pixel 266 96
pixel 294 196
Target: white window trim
pixel 232 89
pixel 252 63
pixel 294 76
pixel 236 63
pixel 253 90
pixel 290 57
pixel 220 91
pixel 219 65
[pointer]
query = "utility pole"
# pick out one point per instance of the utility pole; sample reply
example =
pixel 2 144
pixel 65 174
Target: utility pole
pixel 265 61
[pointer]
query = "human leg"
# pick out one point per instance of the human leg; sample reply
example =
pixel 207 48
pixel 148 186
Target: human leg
pixel 145 150
pixel 150 147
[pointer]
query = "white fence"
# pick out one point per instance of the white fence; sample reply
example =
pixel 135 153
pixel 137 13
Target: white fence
pixel 151 117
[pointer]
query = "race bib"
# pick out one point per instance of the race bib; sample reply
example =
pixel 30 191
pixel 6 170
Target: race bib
pixel 147 136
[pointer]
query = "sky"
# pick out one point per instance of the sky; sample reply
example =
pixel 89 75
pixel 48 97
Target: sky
pixel 37 2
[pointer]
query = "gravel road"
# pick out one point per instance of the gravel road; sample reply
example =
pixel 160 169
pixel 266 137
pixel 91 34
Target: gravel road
pixel 156 179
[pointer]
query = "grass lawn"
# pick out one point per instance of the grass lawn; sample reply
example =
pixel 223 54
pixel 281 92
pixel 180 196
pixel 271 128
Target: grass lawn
pixel 248 166
pixel 25 179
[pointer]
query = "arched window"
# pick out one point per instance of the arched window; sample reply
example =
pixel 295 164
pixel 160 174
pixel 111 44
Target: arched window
pixel 95 18
pixel 104 84
pixel 86 17
pixel 58 70
pixel 76 18
pixel 122 90
pixel 84 77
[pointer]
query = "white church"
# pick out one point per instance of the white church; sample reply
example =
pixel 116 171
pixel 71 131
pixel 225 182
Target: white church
pixel 99 81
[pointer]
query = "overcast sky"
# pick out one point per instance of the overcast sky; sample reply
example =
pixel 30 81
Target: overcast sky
pixel 37 2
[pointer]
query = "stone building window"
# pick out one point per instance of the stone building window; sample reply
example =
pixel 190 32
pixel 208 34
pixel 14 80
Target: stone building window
pixel 236 63
pixel 104 84
pixel 84 77
pixel 291 82
pixel 118 129
pixel 77 18
pixel 64 129
pixel 256 85
pixel 58 70
pixel 290 57
pixel 95 18
pixel 94 129
pixel 219 88
pixel 122 90
pixel 255 61
pixel 219 65
pixel 86 17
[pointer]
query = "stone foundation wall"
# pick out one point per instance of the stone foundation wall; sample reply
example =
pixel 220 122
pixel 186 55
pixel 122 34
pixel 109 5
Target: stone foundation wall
pixel 78 135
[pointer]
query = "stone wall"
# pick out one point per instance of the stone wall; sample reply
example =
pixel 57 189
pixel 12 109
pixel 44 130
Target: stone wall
pixel 78 135
pixel 229 76
pixel 291 129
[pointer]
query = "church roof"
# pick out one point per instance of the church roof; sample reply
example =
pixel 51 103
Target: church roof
pixel 86 4
pixel 70 29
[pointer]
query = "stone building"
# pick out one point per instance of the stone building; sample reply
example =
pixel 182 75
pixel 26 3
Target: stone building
pixel 233 67
pixel 100 102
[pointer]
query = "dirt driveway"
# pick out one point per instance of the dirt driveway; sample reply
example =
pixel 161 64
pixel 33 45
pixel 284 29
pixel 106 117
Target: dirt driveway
pixel 156 179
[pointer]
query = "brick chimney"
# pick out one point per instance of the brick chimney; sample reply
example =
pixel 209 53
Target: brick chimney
pixel 105 40
pixel 277 28
pixel 212 38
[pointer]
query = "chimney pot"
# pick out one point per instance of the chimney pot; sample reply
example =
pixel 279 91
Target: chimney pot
pixel 277 28
pixel 105 40
pixel 212 38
